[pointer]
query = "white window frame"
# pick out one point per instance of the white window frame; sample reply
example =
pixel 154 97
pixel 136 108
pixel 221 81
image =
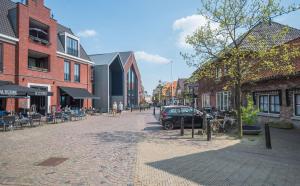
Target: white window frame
pixel 225 95
pixel 66 35
pixel 218 72
pixel 205 100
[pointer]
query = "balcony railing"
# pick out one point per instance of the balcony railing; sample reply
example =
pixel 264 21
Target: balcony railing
pixel 38 69
pixel 39 36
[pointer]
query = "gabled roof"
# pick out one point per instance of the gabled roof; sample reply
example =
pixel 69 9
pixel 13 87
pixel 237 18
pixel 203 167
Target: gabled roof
pixel 60 48
pixel 180 83
pixel 6 19
pixel 124 56
pixel 265 31
pixel 104 59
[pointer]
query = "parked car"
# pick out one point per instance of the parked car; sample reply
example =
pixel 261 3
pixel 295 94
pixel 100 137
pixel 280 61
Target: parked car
pixel 170 117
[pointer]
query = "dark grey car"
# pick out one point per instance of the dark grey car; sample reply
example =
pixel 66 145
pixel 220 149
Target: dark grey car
pixel 170 117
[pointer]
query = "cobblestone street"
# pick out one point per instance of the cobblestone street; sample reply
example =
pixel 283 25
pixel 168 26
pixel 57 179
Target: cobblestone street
pixel 132 150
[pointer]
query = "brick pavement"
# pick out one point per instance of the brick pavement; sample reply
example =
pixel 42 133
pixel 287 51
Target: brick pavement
pixel 100 150
pixel 132 150
pixel 177 160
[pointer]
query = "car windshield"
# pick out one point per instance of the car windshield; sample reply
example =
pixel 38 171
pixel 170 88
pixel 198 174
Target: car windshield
pixel 173 111
pixel 185 110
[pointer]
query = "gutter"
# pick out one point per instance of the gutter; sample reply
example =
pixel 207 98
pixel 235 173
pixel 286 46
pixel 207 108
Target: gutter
pixel 70 57
pixel 8 39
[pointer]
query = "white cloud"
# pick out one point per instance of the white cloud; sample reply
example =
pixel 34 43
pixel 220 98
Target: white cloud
pixel 187 26
pixel 151 58
pixel 87 33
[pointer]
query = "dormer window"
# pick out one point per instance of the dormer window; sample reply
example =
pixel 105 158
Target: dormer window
pixel 72 46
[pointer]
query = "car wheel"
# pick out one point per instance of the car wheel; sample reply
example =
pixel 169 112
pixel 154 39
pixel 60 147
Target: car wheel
pixel 168 125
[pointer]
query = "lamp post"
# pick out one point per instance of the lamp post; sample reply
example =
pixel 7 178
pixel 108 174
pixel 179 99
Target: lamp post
pixel 193 102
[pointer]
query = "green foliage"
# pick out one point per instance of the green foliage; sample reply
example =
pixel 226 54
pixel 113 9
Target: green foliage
pixel 249 113
pixel 221 42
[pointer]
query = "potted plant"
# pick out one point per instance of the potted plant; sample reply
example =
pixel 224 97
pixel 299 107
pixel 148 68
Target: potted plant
pixel 249 118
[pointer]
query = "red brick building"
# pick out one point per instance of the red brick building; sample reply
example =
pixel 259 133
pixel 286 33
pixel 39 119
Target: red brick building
pixel 36 51
pixel 277 97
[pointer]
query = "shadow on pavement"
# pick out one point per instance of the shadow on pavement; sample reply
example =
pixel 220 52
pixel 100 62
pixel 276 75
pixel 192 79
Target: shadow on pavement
pixel 231 166
pixel 153 128
pixel 245 163
pixel 119 137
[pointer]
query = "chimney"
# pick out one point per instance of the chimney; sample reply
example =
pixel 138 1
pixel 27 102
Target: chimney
pixel 35 2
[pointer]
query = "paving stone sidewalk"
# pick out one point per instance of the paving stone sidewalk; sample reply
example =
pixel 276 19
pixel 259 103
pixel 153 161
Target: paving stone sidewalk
pixel 176 160
pixel 131 149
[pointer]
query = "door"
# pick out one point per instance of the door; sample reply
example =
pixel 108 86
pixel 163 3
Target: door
pixel 198 119
pixel 40 103
pixel 187 113
pixel 174 114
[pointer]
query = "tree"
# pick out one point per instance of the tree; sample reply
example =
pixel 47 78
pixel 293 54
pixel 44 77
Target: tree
pixel 221 43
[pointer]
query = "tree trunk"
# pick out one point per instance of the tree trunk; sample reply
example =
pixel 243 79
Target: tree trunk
pixel 239 109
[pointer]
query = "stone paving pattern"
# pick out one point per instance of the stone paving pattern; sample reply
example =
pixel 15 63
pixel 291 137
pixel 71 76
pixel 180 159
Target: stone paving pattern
pixel 132 150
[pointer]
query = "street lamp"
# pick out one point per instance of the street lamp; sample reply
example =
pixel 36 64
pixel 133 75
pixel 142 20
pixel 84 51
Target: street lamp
pixel 193 95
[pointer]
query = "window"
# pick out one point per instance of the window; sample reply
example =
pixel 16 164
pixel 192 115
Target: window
pixel 297 104
pixel 38 61
pixel 1 57
pixel 186 110
pixel 77 73
pixel 72 46
pixel 205 100
pixel 223 100
pixel 173 111
pixel 269 103
pixel 67 71
pixel 263 103
pixel 218 72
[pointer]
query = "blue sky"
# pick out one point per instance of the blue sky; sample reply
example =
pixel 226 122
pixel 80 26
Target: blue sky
pixel 153 28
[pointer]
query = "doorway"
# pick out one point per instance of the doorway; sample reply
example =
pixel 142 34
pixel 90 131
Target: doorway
pixel 40 103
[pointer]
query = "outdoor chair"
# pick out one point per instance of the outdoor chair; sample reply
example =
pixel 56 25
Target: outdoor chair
pixel 50 118
pixel 8 122
pixel 67 116
pixel 36 118
pixel 22 120
pixel 58 116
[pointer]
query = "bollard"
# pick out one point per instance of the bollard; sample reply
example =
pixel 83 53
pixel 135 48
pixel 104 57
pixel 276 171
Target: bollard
pixel 193 126
pixel 268 136
pixel 204 122
pixel 154 110
pixel 182 126
pixel 131 109
pixel 140 109
pixel 208 131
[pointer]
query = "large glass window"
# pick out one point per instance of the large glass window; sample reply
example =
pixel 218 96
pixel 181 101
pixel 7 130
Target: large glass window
pixel 205 100
pixel 132 88
pixel 1 57
pixel 223 100
pixel 72 46
pixel 297 104
pixel 67 76
pixel 269 103
pixel 77 73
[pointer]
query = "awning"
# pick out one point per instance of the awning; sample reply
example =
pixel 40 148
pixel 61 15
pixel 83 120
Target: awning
pixel 5 83
pixel 11 90
pixel 78 93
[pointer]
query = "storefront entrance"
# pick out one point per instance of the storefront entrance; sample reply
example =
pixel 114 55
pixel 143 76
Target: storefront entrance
pixel 67 100
pixel 39 103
